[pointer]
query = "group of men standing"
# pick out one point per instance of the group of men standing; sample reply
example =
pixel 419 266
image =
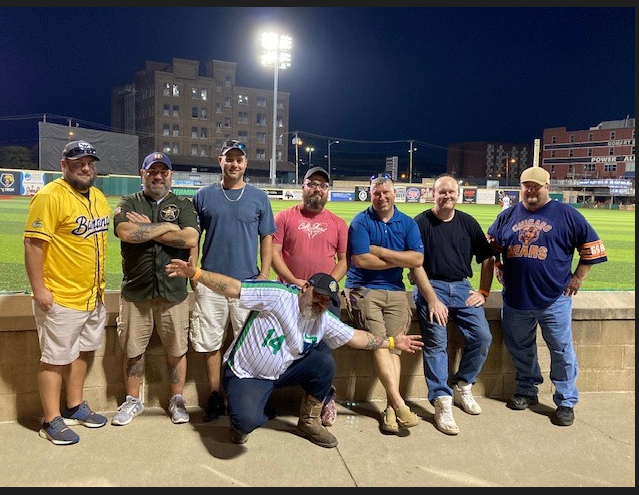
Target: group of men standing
pixel 284 329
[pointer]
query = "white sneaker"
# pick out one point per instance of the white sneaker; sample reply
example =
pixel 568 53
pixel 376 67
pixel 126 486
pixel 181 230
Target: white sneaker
pixel 444 415
pixel 128 410
pixel 177 408
pixel 464 398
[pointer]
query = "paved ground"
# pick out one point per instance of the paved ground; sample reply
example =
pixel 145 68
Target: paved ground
pixel 499 448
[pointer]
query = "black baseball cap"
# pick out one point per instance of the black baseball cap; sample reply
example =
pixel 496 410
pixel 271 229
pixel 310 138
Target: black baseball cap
pixel 78 149
pixel 326 285
pixel 317 170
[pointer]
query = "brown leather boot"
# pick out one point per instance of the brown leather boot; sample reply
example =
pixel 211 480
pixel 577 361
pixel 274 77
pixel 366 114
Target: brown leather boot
pixel 310 423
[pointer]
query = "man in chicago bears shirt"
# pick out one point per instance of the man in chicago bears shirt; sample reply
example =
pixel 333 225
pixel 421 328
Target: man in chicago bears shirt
pixel 536 240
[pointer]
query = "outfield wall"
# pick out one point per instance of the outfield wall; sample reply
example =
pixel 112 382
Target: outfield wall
pixel 603 327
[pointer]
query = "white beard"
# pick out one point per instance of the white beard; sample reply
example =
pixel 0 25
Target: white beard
pixel 309 314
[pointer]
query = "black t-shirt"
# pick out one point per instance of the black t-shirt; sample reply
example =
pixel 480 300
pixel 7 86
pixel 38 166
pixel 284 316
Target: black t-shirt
pixel 449 247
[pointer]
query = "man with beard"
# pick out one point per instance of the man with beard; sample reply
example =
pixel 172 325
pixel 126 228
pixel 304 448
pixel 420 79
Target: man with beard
pixel 309 237
pixel 277 347
pixel 154 226
pixel 65 245
pixel 312 239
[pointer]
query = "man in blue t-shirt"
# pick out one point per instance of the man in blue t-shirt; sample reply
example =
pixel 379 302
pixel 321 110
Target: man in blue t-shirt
pixel 235 217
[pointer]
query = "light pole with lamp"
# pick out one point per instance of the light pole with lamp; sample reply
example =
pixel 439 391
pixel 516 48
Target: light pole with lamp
pixel 410 161
pixel 310 150
pixel 509 161
pixel 276 54
pixel 330 143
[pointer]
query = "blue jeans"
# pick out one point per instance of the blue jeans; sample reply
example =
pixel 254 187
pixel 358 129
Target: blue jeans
pixel 520 337
pixel 246 397
pixel 472 323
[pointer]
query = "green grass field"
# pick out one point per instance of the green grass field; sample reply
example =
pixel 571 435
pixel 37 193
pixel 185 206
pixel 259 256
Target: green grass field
pixel 615 227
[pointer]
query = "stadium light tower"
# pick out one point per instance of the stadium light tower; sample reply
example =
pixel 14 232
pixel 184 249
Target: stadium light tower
pixel 277 54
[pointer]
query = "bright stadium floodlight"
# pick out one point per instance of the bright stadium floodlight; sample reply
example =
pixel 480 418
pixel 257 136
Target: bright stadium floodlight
pixel 277 54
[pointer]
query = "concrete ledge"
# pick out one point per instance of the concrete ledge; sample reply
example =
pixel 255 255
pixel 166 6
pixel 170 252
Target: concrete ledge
pixel 603 327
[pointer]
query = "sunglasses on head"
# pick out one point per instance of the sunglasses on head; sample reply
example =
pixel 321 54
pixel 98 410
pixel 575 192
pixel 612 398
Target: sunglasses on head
pixel 72 153
pixel 234 144
pixel 381 177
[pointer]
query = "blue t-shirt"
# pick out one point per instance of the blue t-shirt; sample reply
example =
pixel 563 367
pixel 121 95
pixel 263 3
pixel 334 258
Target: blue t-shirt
pixel 232 228
pixel 537 249
pixel 400 233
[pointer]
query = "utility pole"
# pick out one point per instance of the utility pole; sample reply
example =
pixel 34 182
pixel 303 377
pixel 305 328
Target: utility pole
pixel 410 162
pixel 297 142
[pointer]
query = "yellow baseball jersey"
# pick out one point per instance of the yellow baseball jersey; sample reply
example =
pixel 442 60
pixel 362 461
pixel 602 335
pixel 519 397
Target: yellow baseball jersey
pixel 75 230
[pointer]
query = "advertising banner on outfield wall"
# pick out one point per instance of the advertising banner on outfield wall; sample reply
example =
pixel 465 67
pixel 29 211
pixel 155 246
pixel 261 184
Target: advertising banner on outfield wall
pixel 362 193
pixel 412 194
pixel 469 195
pixel 342 196
pixel 32 181
pixel 10 183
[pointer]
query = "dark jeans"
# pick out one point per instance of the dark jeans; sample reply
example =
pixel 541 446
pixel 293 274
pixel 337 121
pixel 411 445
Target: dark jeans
pixel 246 397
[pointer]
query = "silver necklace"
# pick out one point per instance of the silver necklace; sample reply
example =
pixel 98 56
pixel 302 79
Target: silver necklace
pixel 233 200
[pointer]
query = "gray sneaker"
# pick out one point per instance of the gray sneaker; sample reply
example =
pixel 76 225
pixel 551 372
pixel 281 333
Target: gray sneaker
pixel 128 410
pixel 177 408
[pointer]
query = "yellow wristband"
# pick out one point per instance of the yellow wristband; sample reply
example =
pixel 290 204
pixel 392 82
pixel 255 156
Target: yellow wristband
pixel 197 274
pixel 484 293
pixel 391 343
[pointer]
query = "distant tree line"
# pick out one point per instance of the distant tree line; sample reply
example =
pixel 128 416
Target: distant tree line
pixel 19 157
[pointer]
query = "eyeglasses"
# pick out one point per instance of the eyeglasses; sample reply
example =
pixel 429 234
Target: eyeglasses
pixel 381 177
pixel 72 153
pixel 317 185
pixel 234 144
pixel 153 172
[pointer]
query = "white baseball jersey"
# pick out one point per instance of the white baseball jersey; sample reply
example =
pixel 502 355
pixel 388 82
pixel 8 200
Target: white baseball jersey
pixel 275 333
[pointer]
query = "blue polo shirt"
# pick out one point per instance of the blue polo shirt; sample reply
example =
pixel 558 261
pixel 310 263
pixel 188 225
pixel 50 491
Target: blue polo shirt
pixel 400 233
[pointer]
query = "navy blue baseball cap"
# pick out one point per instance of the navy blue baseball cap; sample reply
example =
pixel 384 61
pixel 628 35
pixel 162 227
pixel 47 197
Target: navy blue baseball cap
pixel 156 157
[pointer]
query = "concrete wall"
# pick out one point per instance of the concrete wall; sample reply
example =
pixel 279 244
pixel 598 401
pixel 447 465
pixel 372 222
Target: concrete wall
pixel 603 327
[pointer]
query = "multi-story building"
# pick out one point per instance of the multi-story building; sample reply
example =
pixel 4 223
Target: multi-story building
pixel 188 116
pixel 481 161
pixel 606 151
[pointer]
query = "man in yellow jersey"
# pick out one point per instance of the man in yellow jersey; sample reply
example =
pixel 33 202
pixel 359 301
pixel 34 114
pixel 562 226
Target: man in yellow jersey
pixel 65 243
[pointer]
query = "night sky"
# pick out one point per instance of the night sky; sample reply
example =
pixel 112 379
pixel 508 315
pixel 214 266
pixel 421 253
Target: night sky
pixel 369 77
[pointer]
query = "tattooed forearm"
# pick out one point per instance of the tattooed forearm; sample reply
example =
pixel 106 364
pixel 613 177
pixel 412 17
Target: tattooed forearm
pixel 215 285
pixel 374 343
pixel 176 243
pixel 143 233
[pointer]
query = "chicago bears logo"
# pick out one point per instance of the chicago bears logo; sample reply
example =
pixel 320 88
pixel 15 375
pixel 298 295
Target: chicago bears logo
pixel 529 234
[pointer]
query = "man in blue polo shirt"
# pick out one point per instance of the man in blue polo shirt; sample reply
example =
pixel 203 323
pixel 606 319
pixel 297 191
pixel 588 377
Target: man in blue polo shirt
pixel 382 241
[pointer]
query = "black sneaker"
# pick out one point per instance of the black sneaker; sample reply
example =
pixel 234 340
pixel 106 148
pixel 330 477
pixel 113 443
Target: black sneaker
pixel 564 416
pixel 214 408
pixel 519 402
